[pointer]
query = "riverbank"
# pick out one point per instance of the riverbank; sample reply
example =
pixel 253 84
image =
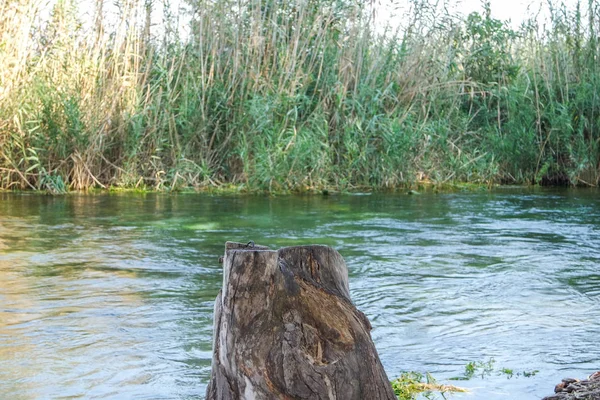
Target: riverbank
pixel 416 188
pixel 289 99
pixel 412 190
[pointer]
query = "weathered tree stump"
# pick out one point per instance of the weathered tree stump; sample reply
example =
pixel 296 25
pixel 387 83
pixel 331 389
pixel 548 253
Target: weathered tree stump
pixel 285 328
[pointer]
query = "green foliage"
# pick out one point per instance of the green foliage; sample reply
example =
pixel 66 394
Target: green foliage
pixel 529 374
pixel 479 367
pixel 487 49
pixel 411 385
pixel 53 183
pixel 408 385
pixel 295 96
pixel 483 369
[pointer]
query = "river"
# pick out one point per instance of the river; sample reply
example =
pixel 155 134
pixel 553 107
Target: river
pixel 111 295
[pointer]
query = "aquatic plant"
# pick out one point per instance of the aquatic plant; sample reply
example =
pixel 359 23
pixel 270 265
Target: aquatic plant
pixel 485 369
pixel 412 384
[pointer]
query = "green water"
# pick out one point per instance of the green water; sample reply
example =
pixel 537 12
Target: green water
pixel 111 296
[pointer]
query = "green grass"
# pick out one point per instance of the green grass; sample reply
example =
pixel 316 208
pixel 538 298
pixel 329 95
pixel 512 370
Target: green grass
pixel 294 96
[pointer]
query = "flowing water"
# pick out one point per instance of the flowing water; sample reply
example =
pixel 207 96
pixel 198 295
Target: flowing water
pixel 111 296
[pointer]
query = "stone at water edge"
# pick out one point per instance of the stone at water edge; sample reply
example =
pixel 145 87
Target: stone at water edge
pixel 575 389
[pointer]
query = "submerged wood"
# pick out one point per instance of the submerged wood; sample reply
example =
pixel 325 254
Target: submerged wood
pixel 285 328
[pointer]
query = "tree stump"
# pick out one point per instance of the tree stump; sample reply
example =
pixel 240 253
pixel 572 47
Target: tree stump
pixel 285 328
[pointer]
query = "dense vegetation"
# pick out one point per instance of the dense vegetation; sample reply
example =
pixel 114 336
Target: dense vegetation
pixel 293 95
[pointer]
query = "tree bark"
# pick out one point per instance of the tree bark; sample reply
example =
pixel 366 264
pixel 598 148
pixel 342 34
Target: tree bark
pixel 285 328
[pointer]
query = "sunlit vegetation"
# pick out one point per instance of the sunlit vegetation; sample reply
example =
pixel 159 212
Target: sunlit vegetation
pixel 411 385
pixel 414 385
pixel 293 95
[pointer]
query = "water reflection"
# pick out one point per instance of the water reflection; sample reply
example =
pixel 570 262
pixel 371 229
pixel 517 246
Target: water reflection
pixel 112 295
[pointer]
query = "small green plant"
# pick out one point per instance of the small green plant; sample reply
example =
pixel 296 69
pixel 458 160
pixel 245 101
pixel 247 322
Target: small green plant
pixel 408 385
pixel 412 384
pixel 476 367
pixel 470 370
pixel 486 368
pixel 507 371
pixel 53 184
pixel 510 373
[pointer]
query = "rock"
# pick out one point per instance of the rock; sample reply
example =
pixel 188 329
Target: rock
pixel 575 389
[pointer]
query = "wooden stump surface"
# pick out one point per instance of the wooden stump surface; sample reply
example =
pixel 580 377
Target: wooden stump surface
pixel 285 328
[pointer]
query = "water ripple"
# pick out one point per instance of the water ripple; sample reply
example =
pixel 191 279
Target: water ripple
pixel 111 296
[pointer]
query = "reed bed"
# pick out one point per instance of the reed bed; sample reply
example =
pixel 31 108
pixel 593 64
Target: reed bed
pixel 293 95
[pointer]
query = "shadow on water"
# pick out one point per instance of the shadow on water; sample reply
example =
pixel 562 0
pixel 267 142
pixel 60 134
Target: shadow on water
pixel 112 295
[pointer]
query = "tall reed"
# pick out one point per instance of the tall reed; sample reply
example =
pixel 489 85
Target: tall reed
pixel 293 95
